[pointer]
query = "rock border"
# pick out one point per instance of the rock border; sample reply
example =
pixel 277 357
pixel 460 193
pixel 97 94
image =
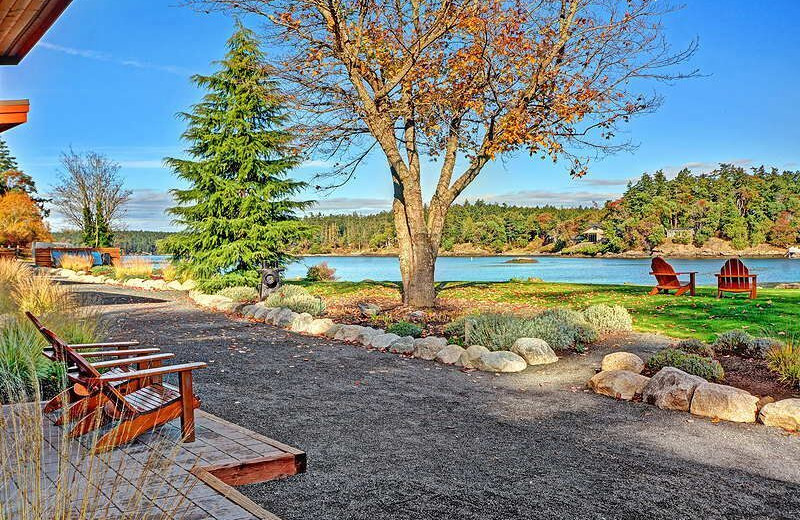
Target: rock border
pixel 673 389
pixel 429 348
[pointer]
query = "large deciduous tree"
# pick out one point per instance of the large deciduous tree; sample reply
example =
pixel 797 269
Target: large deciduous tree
pixel 91 195
pixel 237 213
pixel 20 220
pixel 461 81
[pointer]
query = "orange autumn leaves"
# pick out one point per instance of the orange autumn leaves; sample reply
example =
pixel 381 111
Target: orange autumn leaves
pixel 20 220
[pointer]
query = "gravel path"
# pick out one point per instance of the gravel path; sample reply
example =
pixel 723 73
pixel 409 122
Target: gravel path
pixel 391 437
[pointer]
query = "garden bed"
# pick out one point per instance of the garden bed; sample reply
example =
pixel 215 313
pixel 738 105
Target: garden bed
pixel 755 376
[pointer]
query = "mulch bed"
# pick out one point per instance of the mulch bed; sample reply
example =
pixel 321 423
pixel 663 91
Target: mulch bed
pixel 755 376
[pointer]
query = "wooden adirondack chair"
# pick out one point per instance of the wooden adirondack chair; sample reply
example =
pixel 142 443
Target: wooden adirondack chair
pixel 667 279
pixel 735 277
pixel 79 400
pixel 141 410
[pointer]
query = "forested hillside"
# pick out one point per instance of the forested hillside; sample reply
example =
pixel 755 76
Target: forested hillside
pixel 135 241
pixel 747 208
pixel 744 208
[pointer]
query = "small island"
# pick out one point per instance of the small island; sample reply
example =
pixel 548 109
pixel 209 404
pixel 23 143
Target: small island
pixel 521 261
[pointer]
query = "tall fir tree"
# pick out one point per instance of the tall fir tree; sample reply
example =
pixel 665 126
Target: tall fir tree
pixel 237 213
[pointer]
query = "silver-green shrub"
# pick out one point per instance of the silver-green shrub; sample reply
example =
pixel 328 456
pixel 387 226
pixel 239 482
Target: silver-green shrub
pixel 608 318
pixel 297 299
pixel 560 328
pixel 239 293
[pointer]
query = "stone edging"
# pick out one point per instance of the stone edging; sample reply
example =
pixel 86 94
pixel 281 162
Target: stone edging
pixel 525 352
pixel 672 389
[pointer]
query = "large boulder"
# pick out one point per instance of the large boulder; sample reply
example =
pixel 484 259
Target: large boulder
pixel 428 347
pixel 154 285
pixel 231 307
pixel 535 351
pixel 301 322
pixel 249 310
pixel 349 332
pixel 622 361
pixel 382 341
pixel 369 309
pixel 136 282
pixel 367 333
pixel 320 326
pixel 471 354
pixel 189 285
pixel 333 330
pixel 783 414
pixel 175 285
pixel 403 345
pixel 261 313
pixel 450 354
pixel 500 361
pixel 671 389
pixel 620 384
pixel 724 402
pixel 284 317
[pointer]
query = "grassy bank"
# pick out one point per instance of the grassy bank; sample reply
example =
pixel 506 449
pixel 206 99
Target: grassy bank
pixel 776 312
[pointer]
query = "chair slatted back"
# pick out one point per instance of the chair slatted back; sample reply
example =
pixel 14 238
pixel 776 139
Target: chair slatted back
pixel 665 274
pixel 87 371
pixel 55 352
pixel 734 275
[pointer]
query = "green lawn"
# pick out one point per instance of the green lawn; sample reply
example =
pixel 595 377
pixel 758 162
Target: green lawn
pixel 776 312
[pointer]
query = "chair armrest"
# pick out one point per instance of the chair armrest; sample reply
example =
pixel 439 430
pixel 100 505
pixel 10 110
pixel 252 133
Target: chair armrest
pixel 132 361
pixel 148 372
pixel 687 272
pixel 118 344
pixel 122 353
pixel 753 276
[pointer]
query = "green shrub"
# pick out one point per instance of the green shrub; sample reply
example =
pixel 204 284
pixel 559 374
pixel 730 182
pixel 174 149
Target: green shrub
pixel 759 347
pixel 695 346
pixel 213 284
pixel 704 367
pixel 785 360
pixel 321 273
pixel 608 318
pixel 560 328
pixel 102 270
pixel 733 342
pixel 239 293
pixel 743 344
pixel 404 328
pixel 297 299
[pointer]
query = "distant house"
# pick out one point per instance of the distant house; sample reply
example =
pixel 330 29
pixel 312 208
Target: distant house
pixel 593 233
pixel 680 233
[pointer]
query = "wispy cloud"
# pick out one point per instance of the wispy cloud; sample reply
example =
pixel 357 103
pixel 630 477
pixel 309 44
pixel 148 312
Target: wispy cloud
pixel 316 163
pixel 147 209
pixel 104 56
pixel 543 197
pixel 603 182
pixel 351 204
pixel 143 164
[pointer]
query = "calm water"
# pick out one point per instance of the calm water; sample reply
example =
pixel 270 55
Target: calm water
pixel 548 268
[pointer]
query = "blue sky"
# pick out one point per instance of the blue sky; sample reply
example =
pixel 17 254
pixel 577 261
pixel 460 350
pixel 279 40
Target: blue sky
pixel 110 76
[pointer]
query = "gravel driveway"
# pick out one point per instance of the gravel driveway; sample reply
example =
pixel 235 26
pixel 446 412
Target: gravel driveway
pixel 391 437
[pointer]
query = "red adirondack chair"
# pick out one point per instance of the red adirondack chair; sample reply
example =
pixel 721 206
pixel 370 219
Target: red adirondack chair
pixel 667 279
pixel 735 277
pixel 137 412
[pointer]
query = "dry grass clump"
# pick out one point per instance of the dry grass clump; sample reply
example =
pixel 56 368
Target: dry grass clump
pixel 133 267
pixel 39 295
pixel 78 263
pixel 785 360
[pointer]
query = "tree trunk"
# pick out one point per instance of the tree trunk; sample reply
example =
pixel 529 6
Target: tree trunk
pixel 417 251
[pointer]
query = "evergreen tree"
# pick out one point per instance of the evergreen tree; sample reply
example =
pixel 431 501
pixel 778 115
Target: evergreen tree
pixel 237 212
pixel 13 179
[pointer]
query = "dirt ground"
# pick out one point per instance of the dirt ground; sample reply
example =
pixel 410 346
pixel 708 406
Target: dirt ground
pixel 394 437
